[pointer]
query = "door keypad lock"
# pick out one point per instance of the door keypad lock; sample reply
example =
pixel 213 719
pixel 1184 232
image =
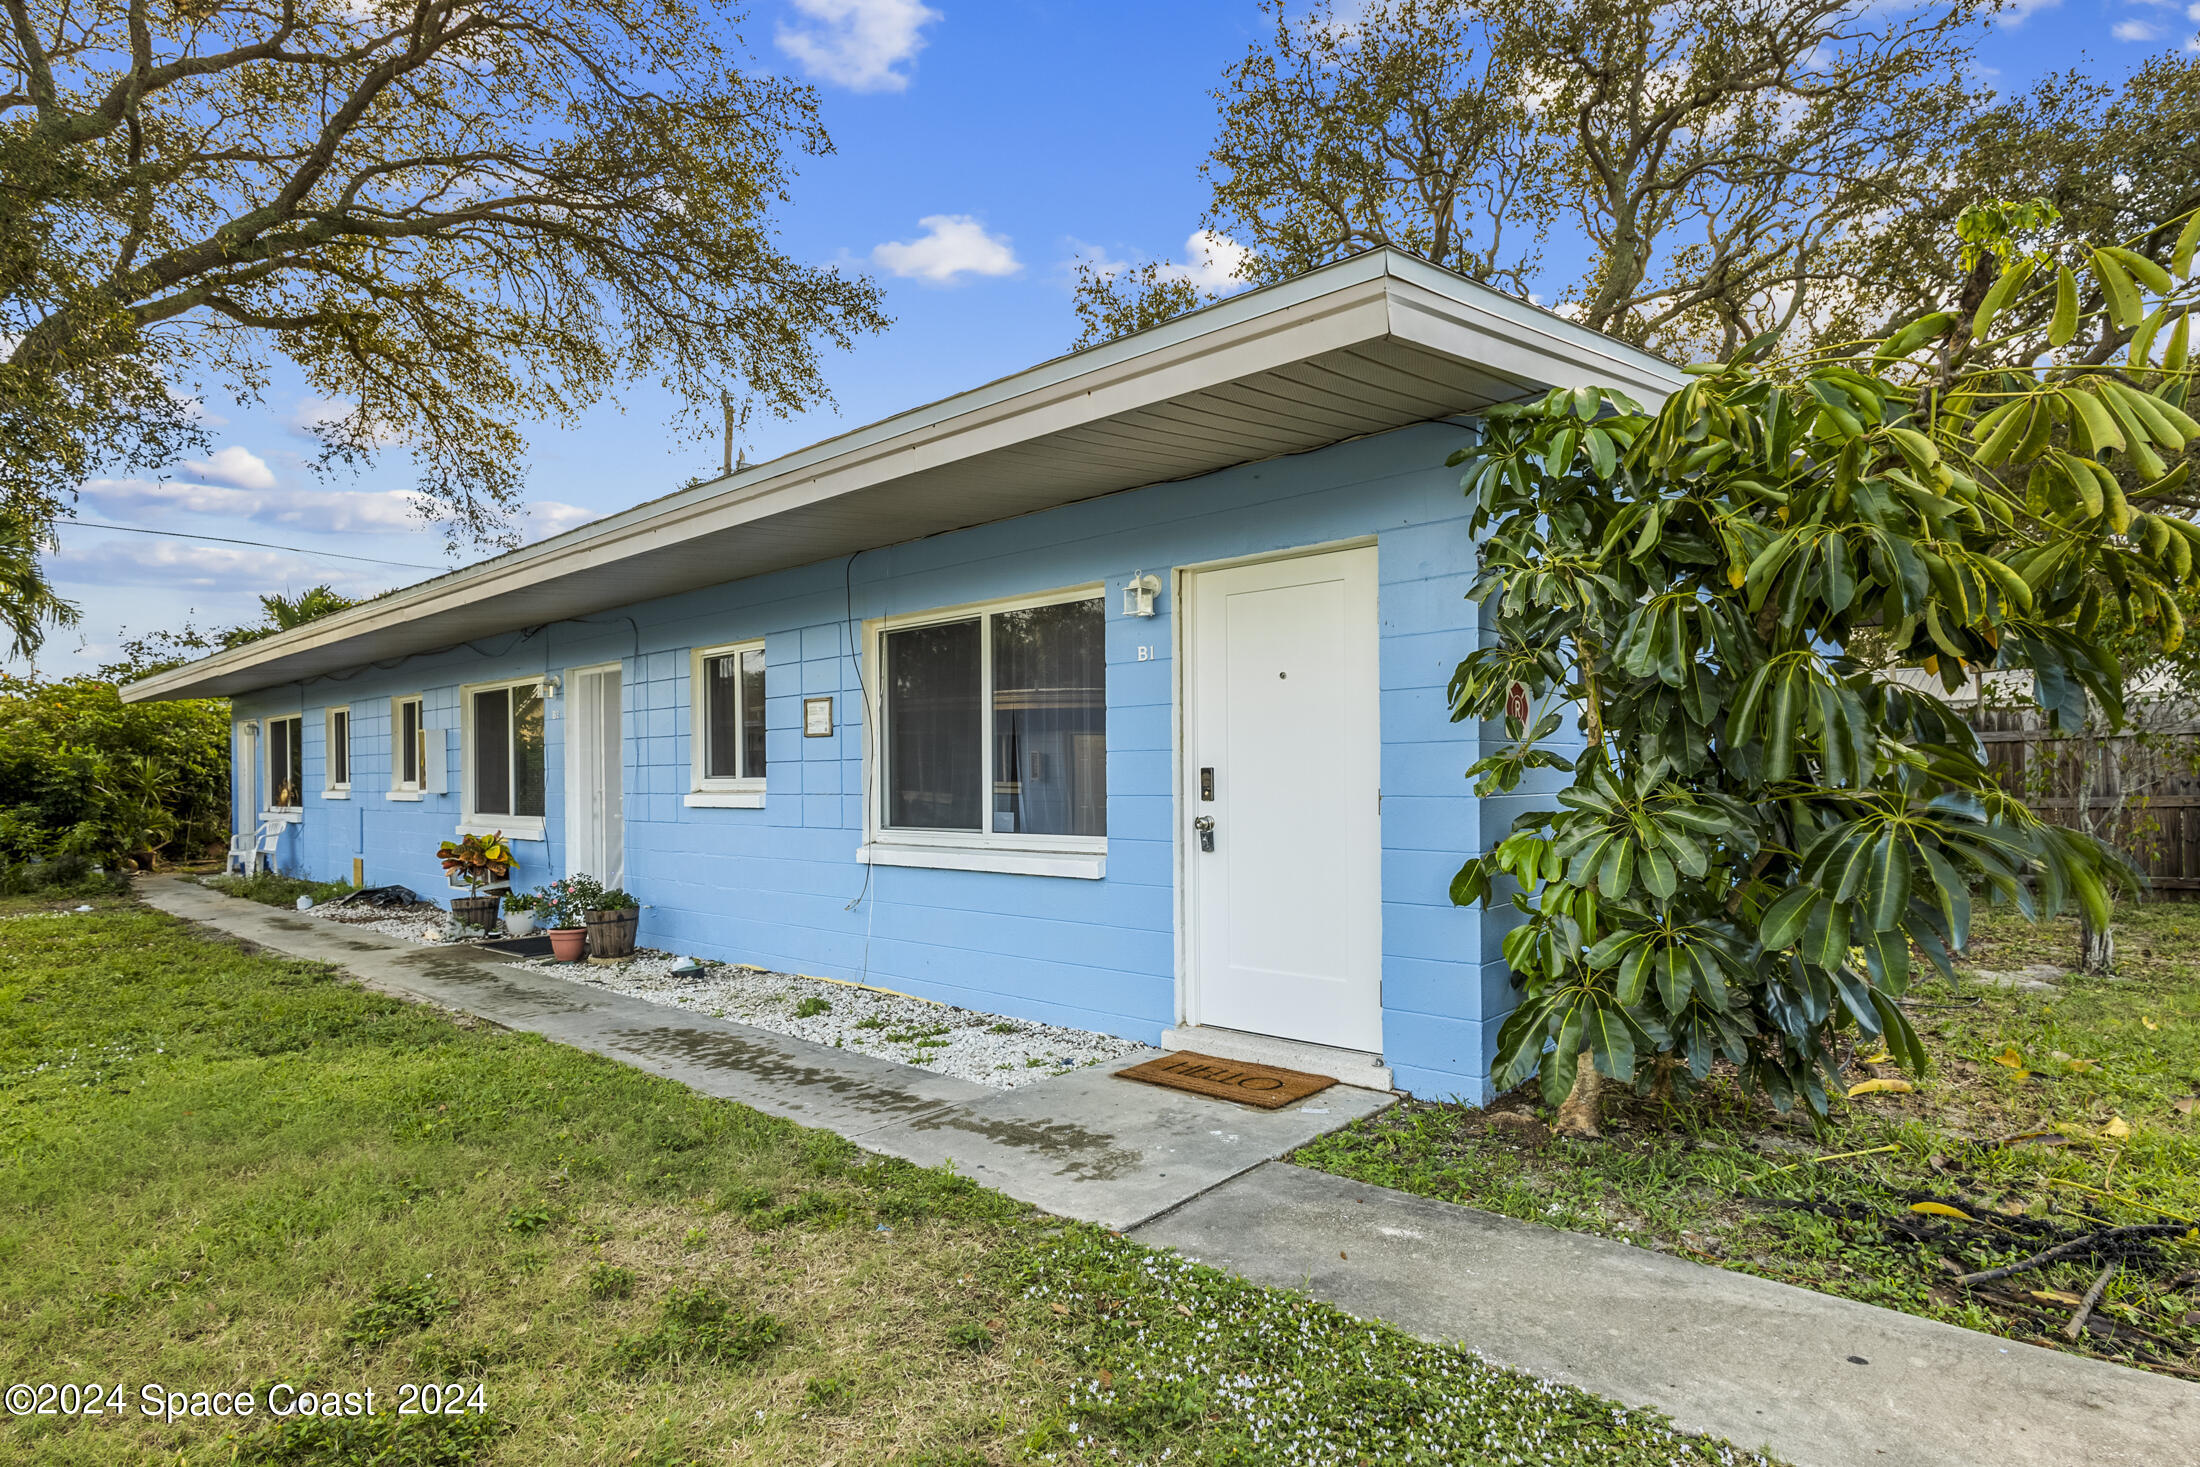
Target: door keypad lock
pixel 1205 825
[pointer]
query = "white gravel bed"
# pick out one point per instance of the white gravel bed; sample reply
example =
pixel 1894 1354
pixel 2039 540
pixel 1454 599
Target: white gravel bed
pixel 422 922
pixel 985 1048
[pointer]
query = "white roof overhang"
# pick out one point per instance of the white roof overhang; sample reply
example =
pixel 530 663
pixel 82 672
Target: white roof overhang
pixel 1369 344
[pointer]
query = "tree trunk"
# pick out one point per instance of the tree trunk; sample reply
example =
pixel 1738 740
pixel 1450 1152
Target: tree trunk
pixel 1577 1117
pixel 2096 948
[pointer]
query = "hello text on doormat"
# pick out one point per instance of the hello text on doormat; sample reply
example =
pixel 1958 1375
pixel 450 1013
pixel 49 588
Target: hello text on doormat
pixel 1203 1074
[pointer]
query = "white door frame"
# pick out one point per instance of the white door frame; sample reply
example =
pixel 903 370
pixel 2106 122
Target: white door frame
pixel 582 833
pixel 1183 641
pixel 255 795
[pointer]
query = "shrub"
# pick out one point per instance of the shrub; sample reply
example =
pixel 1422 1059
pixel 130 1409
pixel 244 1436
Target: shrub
pixel 63 876
pixel 83 774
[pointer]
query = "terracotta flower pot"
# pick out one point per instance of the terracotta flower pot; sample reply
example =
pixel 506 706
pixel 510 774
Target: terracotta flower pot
pixel 567 944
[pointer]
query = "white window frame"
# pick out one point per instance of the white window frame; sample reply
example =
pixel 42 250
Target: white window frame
pixel 471 821
pixel 725 792
pixel 269 810
pixel 1079 856
pixel 410 784
pixel 336 789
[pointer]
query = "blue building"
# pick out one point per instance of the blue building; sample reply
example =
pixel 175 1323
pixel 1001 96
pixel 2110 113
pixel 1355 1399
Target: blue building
pixel 1109 694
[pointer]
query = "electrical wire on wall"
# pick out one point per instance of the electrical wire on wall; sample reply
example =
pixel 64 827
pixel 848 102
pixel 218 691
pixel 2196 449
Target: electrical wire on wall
pixel 869 732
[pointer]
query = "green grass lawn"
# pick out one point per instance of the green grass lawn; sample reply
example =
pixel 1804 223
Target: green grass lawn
pixel 225 1171
pixel 274 890
pixel 2046 1113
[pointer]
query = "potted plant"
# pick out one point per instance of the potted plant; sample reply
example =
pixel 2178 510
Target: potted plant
pixel 476 860
pixel 519 913
pixel 562 906
pixel 611 923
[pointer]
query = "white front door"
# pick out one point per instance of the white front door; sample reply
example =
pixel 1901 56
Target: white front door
pixel 595 800
pixel 1281 752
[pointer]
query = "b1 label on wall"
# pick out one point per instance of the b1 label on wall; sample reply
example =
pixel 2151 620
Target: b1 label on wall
pixel 1145 654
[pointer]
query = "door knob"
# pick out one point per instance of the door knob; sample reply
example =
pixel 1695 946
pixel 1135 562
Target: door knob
pixel 1205 825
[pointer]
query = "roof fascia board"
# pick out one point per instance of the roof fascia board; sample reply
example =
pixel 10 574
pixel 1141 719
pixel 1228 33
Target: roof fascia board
pixel 1515 339
pixel 1296 329
pixel 1362 299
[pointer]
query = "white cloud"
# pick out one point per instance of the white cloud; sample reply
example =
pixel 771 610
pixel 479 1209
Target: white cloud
pixel 1102 263
pixel 1216 262
pixel 2020 11
pixel 952 245
pixel 2134 30
pixel 551 517
pixel 2192 11
pixel 858 43
pixel 310 413
pixel 92 558
pixel 331 511
pixel 233 465
pixel 316 511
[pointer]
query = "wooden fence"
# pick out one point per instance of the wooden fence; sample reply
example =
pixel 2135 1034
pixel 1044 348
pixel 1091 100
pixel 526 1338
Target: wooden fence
pixel 2139 791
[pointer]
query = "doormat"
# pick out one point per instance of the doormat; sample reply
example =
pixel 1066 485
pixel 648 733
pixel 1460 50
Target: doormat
pixel 518 947
pixel 1203 1074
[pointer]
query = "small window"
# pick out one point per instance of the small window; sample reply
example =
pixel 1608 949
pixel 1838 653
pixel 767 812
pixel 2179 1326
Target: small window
pixel 504 752
pixel 727 690
pixel 339 748
pixel 286 763
pixel 408 764
pixel 996 724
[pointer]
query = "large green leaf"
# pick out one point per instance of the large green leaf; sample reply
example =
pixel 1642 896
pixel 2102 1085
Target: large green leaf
pixel 1783 921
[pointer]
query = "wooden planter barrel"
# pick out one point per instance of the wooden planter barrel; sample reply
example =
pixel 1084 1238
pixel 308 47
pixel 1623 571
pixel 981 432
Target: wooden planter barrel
pixel 611 932
pixel 476 911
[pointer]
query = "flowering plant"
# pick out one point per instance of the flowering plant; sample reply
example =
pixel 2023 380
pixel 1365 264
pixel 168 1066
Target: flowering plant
pixel 562 903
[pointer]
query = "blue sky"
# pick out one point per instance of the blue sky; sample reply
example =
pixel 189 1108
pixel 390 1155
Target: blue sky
pixel 983 146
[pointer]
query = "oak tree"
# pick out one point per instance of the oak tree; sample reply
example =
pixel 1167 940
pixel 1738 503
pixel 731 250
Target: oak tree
pixel 451 216
pixel 1716 161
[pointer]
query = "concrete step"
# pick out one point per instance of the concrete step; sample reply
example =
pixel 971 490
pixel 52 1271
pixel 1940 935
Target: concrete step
pixel 1354 1067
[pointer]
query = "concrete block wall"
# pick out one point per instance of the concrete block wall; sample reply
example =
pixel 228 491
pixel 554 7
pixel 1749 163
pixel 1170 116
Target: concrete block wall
pixel 780 886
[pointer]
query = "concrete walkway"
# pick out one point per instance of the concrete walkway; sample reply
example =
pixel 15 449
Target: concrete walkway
pixel 1084 1145
pixel 1820 1381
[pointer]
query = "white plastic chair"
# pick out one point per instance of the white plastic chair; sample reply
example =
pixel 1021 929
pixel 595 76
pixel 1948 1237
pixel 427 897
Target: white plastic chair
pixel 250 853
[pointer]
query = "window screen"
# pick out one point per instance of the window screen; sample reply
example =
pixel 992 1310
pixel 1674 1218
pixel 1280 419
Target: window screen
pixel 493 752
pixel 339 748
pixel 1045 684
pixel 934 725
pixel 733 715
pixel 508 751
pixel 410 770
pixel 286 763
pixel 1050 720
